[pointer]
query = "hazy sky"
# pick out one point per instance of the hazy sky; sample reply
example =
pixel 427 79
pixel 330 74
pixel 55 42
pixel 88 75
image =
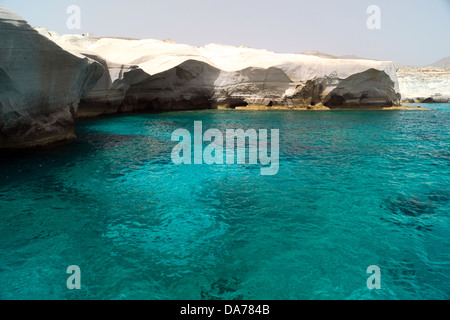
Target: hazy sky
pixel 413 32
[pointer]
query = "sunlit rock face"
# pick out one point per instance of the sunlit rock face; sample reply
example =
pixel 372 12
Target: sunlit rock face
pixel 162 75
pixel 40 86
pixel 425 84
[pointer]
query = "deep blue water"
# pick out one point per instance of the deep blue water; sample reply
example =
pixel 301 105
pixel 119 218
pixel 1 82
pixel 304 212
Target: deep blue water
pixel 354 189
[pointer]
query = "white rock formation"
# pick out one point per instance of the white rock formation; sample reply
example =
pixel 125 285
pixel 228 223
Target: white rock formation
pixel 40 86
pixel 163 75
pixel 424 84
pixel 417 84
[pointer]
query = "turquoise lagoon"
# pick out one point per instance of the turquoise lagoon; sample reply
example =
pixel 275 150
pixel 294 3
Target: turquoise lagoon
pixel 354 189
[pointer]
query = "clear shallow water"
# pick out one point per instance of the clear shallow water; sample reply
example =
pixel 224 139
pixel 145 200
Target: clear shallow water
pixel 354 189
pixel 434 106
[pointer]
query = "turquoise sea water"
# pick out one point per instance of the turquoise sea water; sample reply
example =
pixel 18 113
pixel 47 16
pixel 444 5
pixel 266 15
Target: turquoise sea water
pixel 354 189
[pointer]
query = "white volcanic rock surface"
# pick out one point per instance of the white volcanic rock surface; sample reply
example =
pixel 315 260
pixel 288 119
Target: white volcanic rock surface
pixel 155 56
pixel 219 75
pixel 40 86
pixel 429 84
pixel 416 84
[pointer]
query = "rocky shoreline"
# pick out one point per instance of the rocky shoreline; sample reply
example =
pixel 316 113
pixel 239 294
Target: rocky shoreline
pixel 49 80
pixel 40 86
pixel 323 108
pixel 424 84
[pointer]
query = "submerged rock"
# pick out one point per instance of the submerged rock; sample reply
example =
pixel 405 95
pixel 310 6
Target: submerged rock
pixel 160 75
pixel 40 86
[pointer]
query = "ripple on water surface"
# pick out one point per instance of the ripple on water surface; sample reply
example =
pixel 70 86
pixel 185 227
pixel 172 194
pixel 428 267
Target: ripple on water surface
pixel 354 189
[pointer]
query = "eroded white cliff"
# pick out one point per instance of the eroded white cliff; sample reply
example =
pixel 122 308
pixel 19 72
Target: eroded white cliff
pixel 424 84
pixel 40 86
pixel 163 75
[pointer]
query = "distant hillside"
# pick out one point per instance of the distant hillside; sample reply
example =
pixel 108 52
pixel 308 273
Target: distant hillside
pixel 443 63
pixel 329 56
pixel 319 54
pixel 353 57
